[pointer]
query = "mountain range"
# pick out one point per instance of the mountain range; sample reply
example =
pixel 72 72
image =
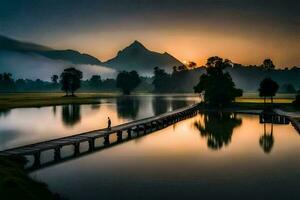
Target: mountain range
pixel 134 57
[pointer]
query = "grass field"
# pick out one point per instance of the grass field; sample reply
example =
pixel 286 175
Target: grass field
pixel 20 100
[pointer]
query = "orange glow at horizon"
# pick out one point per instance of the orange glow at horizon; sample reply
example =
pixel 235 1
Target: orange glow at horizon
pixel 190 46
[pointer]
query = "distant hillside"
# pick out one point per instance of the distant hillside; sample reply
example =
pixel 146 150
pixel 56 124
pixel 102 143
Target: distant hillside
pixel 137 57
pixel 8 44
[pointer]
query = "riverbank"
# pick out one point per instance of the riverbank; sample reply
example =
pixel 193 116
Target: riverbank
pixel 25 100
pixel 15 184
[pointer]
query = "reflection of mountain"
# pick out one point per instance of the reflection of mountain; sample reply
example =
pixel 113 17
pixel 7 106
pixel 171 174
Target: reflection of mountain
pixel 218 128
pixel 128 107
pixel 71 114
pixel 266 141
pixel 160 105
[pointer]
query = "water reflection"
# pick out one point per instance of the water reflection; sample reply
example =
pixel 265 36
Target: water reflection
pixel 61 121
pixel 160 105
pixel 128 107
pixel 71 114
pixel 217 127
pixel 4 112
pixel 266 141
pixel 175 163
pixel 179 104
pixel 95 106
pixel 54 110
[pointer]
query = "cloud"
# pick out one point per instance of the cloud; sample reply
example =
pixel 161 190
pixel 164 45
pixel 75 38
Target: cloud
pixel 32 66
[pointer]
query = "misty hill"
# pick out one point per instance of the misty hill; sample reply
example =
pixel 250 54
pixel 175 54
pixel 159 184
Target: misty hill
pixel 8 44
pixel 137 57
pixel 34 61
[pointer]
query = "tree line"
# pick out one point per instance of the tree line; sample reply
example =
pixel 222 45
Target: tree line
pixel 94 84
pixel 215 81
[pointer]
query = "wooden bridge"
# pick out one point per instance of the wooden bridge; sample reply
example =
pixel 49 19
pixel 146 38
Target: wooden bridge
pixel 136 128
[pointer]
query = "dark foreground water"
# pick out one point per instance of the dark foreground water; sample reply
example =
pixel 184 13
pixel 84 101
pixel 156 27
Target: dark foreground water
pixel 209 156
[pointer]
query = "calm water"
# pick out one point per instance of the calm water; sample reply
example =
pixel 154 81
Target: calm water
pixel 209 156
pixel 27 125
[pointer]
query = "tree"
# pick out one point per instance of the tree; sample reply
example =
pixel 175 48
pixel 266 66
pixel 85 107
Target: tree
pixel 161 80
pixel 217 86
pixel 54 79
pixel 70 80
pixel 288 88
pixel 95 81
pixel 7 83
pixel 296 102
pixel 128 81
pixel 191 65
pixel 268 64
pixel 268 88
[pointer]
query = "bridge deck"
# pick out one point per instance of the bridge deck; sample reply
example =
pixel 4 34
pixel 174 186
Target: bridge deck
pixel 160 120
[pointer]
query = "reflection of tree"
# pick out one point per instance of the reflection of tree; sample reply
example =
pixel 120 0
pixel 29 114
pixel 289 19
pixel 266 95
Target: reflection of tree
pixel 54 110
pixel 95 106
pixel 128 107
pixel 266 141
pixel 160 105
pixel 218 128
pixel 179 104
pixel 71 114
pixel 4 112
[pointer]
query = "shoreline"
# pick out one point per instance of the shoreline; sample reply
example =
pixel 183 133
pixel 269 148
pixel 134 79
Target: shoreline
pixel 15 183
pixel 36 100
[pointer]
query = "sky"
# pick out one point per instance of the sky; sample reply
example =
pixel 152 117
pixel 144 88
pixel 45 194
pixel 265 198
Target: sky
pixel 245 31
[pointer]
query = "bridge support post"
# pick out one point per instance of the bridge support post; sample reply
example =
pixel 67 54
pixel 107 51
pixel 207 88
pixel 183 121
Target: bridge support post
pixel 129 133
pixel 106 139
pixel 37 159
pixel 76 148
pixel 153 126
pixel 119 136
pixel 138 130
pixel 91 144
pixel 145 128
pixel 57 155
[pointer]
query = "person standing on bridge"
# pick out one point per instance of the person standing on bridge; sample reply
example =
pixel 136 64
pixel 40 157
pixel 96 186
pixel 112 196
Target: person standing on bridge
pixel 108 123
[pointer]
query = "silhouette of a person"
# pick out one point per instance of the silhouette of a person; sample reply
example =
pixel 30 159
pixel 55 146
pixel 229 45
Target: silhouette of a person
pixel 108 123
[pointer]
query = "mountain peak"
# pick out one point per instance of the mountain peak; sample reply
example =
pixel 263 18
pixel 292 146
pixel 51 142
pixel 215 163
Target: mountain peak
pixel 137 44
